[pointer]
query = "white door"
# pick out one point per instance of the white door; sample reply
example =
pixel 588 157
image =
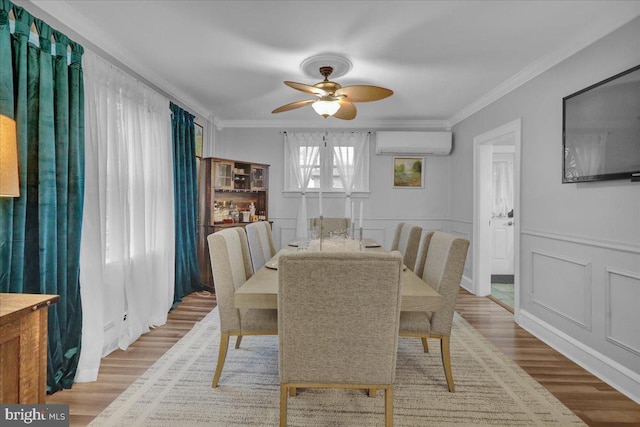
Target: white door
pixel 502 261
pixel 502 245
pixel 483 150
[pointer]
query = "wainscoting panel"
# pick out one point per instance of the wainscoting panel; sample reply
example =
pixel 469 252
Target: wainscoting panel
pixel 383 230
pixel 285 235
pixel 377 234
pixel 563 286
pixel 380 229
pixel 582 296
pixel 623 313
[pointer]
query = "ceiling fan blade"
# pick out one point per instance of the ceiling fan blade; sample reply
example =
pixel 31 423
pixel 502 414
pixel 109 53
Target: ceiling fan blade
pixel 363 93
pixel 347 111
pixel 307 88
pixel 293 105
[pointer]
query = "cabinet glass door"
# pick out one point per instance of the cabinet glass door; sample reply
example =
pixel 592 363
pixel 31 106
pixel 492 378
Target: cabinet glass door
pixel 257 178
pixel 223 175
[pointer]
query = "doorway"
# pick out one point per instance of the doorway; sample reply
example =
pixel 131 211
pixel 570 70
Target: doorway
pixel 496 224
pixel 502 235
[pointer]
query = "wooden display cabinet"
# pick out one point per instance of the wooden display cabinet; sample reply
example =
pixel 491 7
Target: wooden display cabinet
pixel 222 185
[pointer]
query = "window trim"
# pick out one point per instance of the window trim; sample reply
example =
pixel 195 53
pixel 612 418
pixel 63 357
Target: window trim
pixel 326 177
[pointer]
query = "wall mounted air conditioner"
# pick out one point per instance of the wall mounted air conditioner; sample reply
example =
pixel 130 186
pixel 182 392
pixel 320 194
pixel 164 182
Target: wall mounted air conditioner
pixel 415 143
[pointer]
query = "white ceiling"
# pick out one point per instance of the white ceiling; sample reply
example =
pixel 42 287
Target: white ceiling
pixel 443 59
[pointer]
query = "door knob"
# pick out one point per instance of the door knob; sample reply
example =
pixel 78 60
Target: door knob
pixel 510 223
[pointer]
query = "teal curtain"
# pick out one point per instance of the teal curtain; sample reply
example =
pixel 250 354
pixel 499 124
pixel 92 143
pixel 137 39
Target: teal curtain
pixel 186 202
pixel 40 230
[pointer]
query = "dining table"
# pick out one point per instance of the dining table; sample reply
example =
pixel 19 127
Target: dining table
pixel 261 289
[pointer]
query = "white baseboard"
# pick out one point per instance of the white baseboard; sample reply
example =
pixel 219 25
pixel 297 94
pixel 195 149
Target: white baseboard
pixel 467 284
pixel 613 373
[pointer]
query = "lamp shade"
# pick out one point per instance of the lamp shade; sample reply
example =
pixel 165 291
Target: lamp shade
pixel 326 108
pixel 9 186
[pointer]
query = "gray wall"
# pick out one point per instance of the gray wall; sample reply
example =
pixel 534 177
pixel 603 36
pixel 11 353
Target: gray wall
pixel 580 243
pixel 384 206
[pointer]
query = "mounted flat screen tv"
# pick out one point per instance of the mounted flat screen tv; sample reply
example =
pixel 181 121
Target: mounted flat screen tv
pixel 601 130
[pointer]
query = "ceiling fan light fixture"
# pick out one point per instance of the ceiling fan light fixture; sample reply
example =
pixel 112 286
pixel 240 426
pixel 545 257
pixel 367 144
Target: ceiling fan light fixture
pixel 333 99
pixel 326 107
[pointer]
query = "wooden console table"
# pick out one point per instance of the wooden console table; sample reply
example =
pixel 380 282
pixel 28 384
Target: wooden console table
pixel 23 347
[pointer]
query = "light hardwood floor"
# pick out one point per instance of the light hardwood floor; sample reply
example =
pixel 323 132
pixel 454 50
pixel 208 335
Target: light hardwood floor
pixel 121 368
pixel 592 400
pixel 597 403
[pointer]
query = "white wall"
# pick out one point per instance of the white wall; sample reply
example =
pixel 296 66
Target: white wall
pixel 580 243
pixel 384 206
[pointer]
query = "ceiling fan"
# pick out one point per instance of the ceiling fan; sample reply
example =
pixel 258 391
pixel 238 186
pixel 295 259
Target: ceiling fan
pixel 333 99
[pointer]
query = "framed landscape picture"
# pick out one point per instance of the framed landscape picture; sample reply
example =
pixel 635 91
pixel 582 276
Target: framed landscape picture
pixel 408 172
pixel 199 135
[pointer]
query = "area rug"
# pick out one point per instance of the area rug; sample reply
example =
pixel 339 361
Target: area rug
pixel 490 388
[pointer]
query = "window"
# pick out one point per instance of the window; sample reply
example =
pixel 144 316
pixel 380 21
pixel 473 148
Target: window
pixel 326 171
pixel 335 160
pixel 309 162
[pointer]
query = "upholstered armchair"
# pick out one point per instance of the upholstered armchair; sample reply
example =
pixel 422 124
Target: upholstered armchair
pixel 443 267
pixel 407 241
pixel 330 225
pixel 338 322
pixel 231 265
pixel 261 245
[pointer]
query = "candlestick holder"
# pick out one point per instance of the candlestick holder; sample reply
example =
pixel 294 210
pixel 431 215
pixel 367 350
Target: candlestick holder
pixel 321 232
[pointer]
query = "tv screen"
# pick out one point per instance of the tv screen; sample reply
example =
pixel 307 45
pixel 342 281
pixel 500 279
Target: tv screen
pixel 601 130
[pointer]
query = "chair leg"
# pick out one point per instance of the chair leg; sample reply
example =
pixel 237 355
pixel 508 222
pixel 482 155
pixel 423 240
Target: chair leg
pixel 293 392
pixel 388 406
pixel 372 392
pixel 446 361
pixel 238 339
pixel 425 344
pixel 283 405
pixel 222 354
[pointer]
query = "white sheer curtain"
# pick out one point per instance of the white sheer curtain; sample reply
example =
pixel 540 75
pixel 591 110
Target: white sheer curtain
pixel 348 154
pixel 502 188
pixel 303 150
pixel 128 242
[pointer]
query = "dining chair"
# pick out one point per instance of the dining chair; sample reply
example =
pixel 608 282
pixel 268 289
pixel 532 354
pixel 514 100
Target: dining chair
pixel 261 246
pixel 421 258
pixel 338 323
pixel 443 267
pixel 330 225
pixel 407 241
pixel 231 265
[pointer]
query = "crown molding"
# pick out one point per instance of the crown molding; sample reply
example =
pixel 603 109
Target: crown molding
pixel 61 11
pixel 105 46
pixel 538 67
pixel 338 124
